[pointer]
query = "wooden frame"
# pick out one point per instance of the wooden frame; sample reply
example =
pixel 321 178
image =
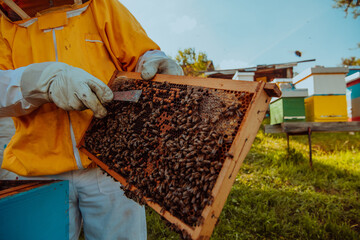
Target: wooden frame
pixel 241 145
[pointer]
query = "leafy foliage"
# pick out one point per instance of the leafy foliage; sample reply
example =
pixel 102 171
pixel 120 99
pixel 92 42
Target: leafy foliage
pixel 191 62
pixel 354 5
pixel 352 61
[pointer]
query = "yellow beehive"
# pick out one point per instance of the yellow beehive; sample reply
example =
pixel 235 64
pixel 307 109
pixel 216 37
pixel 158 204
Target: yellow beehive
pixel 327 108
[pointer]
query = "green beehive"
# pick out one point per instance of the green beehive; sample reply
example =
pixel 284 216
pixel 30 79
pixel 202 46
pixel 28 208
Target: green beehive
pixel 287 109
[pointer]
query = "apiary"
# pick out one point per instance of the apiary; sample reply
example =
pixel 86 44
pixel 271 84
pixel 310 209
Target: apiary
pixel 353 86
pixel 179 148
pixel 34 209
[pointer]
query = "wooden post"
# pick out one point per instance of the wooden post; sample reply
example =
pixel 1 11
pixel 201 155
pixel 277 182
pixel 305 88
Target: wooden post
pixel 13 6
pixel 310 152
pixel 288 142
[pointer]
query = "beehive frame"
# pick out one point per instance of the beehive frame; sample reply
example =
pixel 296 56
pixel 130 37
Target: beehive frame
pixel 12 187
pixel 261 94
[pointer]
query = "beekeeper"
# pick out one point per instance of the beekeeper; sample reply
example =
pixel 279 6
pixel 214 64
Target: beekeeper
pixel 55 64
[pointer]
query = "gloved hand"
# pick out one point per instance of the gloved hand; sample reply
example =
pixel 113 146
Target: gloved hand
pixel 70 88
pixel 153 62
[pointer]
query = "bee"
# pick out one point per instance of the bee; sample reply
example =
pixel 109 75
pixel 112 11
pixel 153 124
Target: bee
pixel 221 140
pixel 298 53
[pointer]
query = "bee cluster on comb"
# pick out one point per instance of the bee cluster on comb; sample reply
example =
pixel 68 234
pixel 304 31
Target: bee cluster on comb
pixel 170 145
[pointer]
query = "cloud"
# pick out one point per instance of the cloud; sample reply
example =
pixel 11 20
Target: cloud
pixel 183 24
pixel 232 63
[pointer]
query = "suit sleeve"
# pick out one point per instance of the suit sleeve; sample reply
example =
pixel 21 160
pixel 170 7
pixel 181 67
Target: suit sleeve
pixel 12 103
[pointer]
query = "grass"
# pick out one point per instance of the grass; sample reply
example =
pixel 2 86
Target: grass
pixel 278 196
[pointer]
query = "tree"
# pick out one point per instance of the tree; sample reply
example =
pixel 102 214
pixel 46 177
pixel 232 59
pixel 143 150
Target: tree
pixel 354 5
pixel 191 62
pixel 352 61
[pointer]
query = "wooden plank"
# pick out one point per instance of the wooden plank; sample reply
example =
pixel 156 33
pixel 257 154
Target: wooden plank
pixel 27 185
pixel 16 9
pixel 299 127
pixel 302 127
pixel 272 90
pixel 14 190
pixel 273 128
pixel 224 84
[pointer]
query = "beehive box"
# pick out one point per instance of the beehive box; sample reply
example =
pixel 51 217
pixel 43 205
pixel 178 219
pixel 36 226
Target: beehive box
pixel 353 86
pixel 180 147
pixel 34 209
pixel 244 76
pixel 326 108
pixel 288 109
pixel 322 80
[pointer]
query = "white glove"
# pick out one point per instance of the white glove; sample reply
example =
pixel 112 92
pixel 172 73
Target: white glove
pixel 153 62
pixel 70 88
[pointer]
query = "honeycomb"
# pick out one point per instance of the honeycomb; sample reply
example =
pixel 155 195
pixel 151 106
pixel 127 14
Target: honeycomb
pixel 170 145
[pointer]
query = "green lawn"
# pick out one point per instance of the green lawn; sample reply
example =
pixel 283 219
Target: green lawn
pixel 277 196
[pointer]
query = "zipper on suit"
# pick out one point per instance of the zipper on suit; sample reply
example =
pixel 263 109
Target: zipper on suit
pixel 72 134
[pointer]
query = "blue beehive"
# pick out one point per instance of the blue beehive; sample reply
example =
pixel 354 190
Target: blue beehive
pixel 353 86
pixel 34 210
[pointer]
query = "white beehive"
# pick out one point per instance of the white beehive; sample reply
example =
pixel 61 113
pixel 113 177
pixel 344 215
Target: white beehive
pixel 288 89
pixel 322 80
pixel 244 76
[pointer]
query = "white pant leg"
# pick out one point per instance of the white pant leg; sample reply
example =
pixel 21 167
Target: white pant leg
pixel 7 130
pixel 106 212
pixel 75 219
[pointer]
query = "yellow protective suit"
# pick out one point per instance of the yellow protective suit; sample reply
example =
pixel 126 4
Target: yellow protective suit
pixel 99 37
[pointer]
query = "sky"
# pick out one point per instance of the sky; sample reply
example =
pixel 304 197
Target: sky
pixel 239 33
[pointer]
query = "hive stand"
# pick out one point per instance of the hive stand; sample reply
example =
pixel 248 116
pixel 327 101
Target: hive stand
pixel 306 128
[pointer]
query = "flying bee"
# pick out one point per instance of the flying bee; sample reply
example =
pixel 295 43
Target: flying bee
pixel 298 53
